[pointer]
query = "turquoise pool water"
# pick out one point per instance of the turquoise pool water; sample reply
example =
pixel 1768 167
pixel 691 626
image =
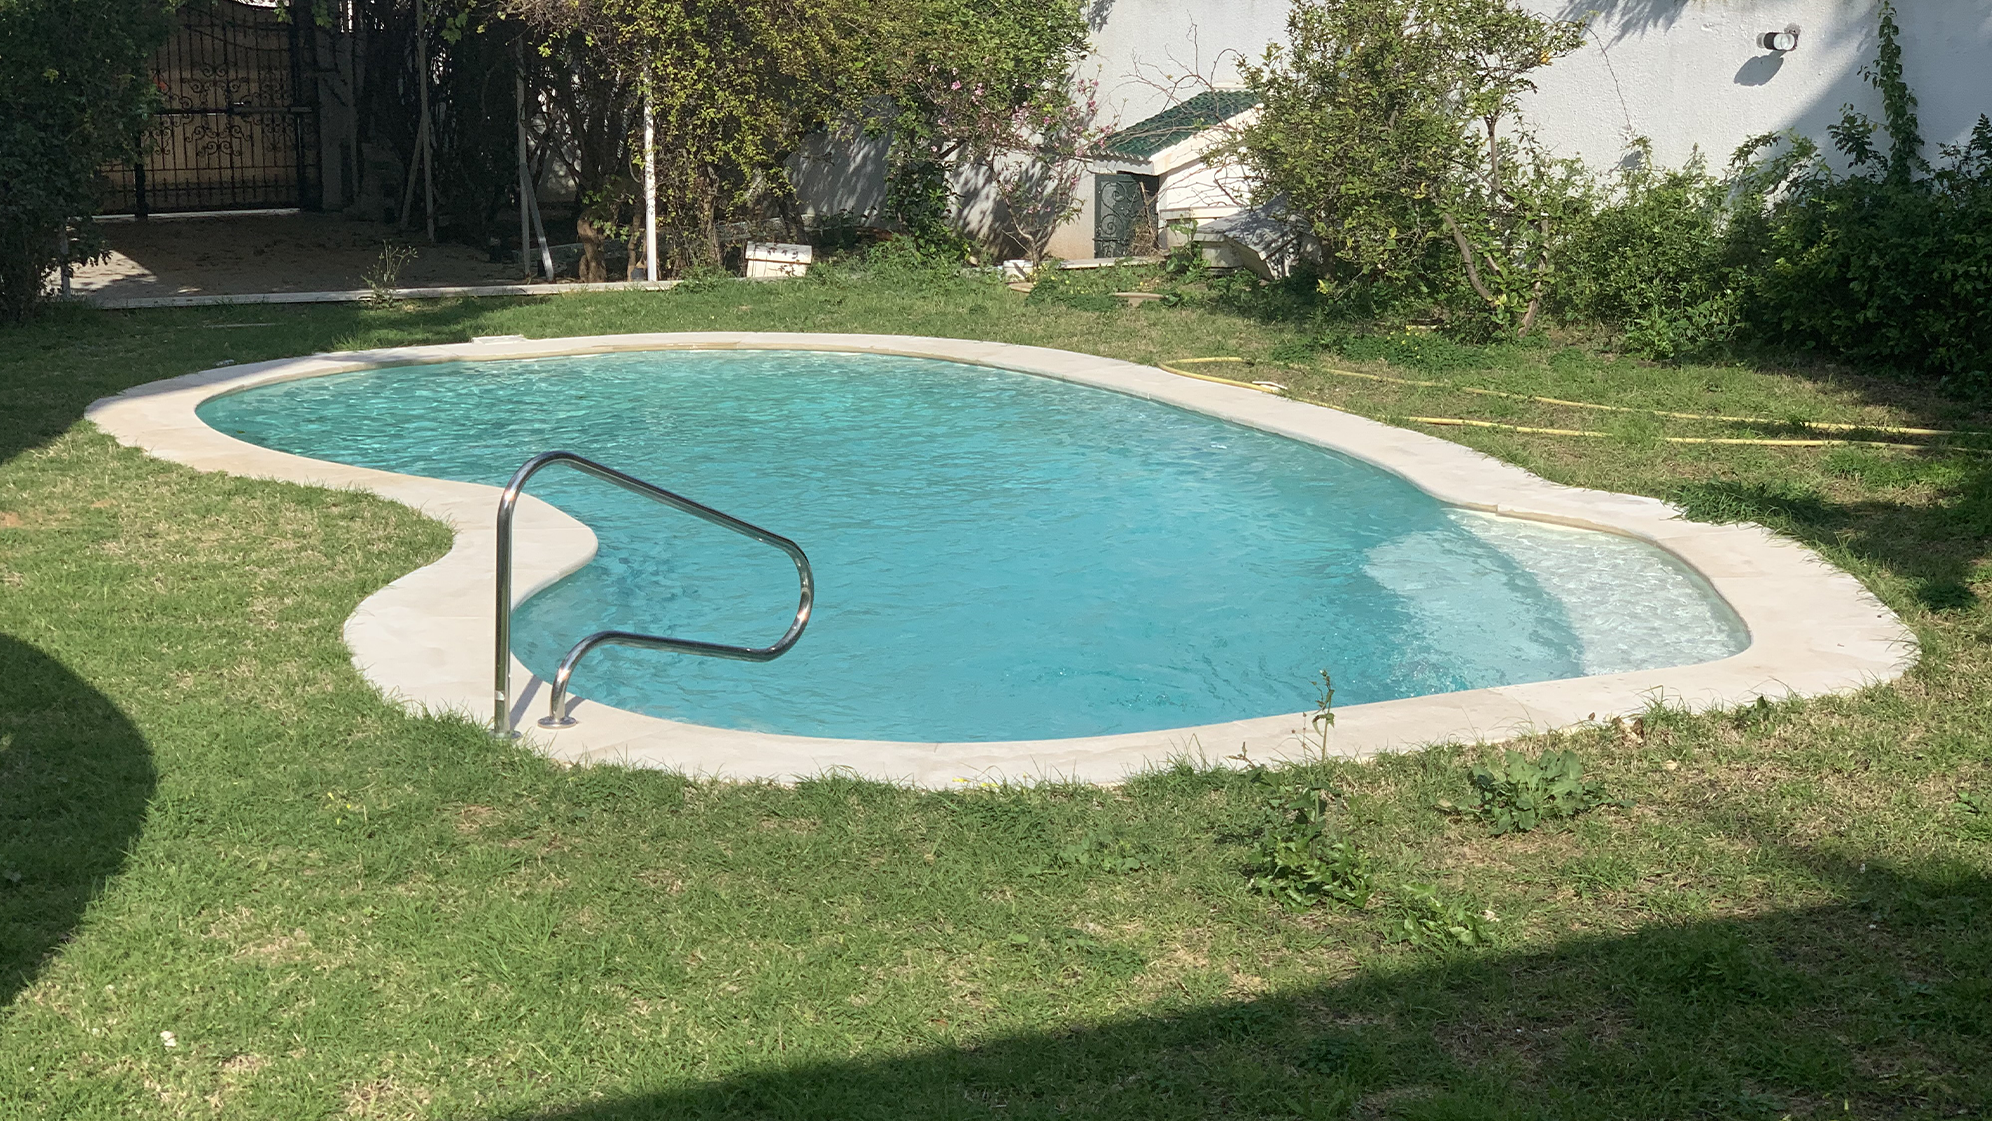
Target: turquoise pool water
pixel 998 556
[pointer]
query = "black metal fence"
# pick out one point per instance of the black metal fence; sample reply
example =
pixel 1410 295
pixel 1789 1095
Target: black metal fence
pixel 239 127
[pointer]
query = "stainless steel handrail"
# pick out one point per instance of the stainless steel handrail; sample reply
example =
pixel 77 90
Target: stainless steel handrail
pixel 509 500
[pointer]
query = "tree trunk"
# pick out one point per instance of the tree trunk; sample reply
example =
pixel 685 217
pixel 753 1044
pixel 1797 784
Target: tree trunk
pixel 708 220
pixel 594 269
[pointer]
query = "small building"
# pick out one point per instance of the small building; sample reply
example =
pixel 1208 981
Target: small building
pixel 1159 177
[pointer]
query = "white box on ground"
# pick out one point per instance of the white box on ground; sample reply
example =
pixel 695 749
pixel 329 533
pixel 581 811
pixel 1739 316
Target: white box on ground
pixel 767 258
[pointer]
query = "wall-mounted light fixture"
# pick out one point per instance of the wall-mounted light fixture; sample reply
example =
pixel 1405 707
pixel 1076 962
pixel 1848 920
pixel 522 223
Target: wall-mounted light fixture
pixel 1780 41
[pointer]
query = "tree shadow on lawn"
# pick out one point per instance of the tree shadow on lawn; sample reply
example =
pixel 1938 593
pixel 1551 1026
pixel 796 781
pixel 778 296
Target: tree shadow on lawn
pixel 53 366
pixel 1879 1007
pixel 1936 548
pixel 75 778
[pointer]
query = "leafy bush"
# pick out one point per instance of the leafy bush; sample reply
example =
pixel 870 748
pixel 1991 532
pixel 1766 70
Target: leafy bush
pixel 1897 272
pixel 1890 263
pixel 1401 147
pixel 980 93
pixel 1653 260
pixel 1520 794
pixel 1391 125
pixel 73 96
pixel 1304 859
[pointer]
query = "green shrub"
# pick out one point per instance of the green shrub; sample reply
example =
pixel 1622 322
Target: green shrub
pixel 1653 261
pixel 1391 127
pixel 1889 263
pixel 73 97
pixel 1892 272
pixel 1520 794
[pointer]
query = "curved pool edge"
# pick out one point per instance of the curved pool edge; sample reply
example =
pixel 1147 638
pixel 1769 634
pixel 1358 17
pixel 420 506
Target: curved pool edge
pixel 425 639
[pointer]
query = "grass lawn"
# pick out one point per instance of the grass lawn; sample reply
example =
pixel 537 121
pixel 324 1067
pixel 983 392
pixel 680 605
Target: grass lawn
pixel 234 882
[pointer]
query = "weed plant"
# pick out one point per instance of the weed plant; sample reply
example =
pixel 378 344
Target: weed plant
pixel 384 277
pixel 1304 859
pixel 1518 794
pixel 1423 918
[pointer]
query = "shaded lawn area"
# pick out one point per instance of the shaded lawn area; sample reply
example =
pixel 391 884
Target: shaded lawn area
pixel 210 826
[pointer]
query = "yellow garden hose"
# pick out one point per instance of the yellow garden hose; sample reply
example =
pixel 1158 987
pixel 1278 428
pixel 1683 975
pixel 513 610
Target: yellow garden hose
pixel 1462 422
pixel 1823 425
pixel 1459 422
pixel 1261 386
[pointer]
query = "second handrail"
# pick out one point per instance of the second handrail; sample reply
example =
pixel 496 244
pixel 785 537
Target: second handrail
pixel 508 502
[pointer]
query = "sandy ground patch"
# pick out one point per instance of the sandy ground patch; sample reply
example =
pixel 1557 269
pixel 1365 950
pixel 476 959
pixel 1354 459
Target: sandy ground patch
pixel 236 254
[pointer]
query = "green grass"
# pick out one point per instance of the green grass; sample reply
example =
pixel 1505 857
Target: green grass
pixel 210 826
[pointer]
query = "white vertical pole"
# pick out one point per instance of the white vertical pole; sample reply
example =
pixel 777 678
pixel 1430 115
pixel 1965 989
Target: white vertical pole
pixel 649 175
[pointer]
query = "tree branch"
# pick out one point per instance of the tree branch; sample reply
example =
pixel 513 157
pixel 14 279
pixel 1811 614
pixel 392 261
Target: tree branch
pixel 1542 279
pixel 1466 255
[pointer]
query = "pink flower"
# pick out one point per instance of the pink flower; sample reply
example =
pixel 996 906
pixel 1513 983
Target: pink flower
pixel 956 86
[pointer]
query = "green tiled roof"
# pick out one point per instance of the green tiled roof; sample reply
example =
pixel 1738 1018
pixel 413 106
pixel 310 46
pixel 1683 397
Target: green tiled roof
pixel 1177 123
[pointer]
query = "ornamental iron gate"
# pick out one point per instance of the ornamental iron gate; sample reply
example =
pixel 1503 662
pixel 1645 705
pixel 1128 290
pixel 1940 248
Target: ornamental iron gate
pixel 238 129
pixel 1124 214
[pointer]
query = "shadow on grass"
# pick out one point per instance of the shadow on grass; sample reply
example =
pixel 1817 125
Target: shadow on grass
pixel 54 365
pixel 1936 548
pixel 1881 1007
pixel 75 777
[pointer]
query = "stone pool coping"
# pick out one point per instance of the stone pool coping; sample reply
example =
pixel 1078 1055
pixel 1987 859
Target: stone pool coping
pixel 425 639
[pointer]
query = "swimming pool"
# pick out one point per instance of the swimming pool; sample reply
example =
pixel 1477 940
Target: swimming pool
pixel 999 556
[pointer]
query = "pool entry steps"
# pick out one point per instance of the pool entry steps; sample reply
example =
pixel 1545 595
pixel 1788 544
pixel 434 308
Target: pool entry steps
pixel 557 715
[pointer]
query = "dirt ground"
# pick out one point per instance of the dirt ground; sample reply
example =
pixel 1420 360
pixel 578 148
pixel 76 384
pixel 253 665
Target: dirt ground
pixel 236 254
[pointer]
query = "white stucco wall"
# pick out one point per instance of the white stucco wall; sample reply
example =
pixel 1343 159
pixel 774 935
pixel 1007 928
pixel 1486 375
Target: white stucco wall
pixel 1686 74
pixel 1690 72
pixel 1201 191
pixel 1150 54
pixel 1682 72
pixel 841 173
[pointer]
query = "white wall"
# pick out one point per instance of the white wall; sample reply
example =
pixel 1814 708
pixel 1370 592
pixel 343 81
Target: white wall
pixel 1149 54
pixel 1200 191
pixel 1682 72
pixel 842 173
pixel 1690 72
